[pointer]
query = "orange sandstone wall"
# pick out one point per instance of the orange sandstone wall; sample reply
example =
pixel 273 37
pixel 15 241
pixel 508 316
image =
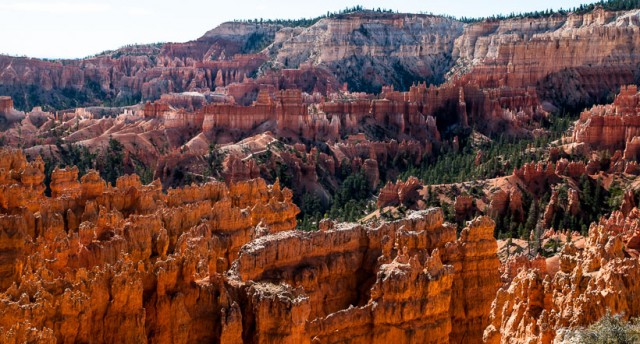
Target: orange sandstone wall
pixel 218 263
pixel 592 281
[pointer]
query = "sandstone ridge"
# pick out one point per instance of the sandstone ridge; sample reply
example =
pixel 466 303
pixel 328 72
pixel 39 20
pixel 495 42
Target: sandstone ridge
pixel 129 263
pixel 592 280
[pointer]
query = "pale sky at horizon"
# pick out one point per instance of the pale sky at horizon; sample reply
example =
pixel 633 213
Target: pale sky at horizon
pixel 78 28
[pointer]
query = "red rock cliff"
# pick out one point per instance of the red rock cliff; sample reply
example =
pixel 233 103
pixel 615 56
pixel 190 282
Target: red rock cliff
pixel 127 263
pixel 362 284
pixel 612 126
pixel 592 281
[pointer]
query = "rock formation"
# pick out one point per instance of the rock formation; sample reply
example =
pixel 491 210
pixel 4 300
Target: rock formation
pixel 357 38
pixel 574 202
pixel 496 62
pixel 499 203
pixel 463 206
pixel 537 175
pixel 110 263
pixel 6 104
pixel 141 71
pixel 411 272
pixel 613 126
pixel 204 98
pixel 628 202
pixel 7 112
pixel 552 53
pixel 405 193
pixel 368 92
pixel 591 281
pixel 290 114
pixel 128 263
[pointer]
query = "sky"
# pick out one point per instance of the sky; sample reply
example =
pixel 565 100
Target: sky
pixel 79 28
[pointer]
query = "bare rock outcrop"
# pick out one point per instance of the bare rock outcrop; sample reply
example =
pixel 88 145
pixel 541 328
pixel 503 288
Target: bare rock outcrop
pixel 129 263
pixel 123 263
pixel 552 53
pixel 591 281
pixel 335 43
pixel 411 273
pixel 613 126
pixel 401 193
pixel 463 206
pixel 7 112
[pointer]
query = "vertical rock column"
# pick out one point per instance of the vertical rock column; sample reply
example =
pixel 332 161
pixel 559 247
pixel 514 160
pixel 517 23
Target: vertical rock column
pixel 474 258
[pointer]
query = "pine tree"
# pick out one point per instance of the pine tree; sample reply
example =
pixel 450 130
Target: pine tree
pixel 532 218
pixel 598 197
pixel 537 239
pixel 114 161
pixel 585 187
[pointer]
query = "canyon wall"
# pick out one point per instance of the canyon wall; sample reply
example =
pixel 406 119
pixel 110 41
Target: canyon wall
pixel 289 113
pixel 591 281
pixel 403 281
pixel 572 59
pixel 368 50
pixel 425 113
pixel 123 263
pixel 613 126
pixel 128 263
pixel 221 57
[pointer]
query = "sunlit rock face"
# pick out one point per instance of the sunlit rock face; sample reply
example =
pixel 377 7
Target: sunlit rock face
pixel 591 281
pixel 401 281
pixel 82 260
pixel 554 54
pixel 116 263
pixel 612 126
pixel 129 263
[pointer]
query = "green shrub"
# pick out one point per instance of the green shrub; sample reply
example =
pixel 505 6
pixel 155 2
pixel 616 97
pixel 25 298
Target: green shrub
pixel 611 329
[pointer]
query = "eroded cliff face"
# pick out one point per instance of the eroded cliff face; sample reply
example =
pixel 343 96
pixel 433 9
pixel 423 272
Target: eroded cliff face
pixel 369 50
pixel 613 126
pixel 221 57
pixel 591 281
pixel 294 114
pixel 129 263
pixel 594 50
pixel 176 133
pixel 221 262
pixel 126 263
pixel 402 281
pixel 570 60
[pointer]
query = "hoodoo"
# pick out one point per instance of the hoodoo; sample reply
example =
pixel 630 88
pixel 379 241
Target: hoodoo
pixel 366 176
